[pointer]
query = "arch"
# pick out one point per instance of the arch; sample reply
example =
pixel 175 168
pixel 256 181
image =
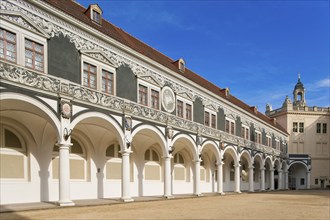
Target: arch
pixel 54 121
pixel 154 130
pixel 258 157
pixel 213 147
pixel 191 146
pixel 232 151
pixel 248 156
pixel 298 162
pixel 119 133
pixel 277 164
pixel 270 163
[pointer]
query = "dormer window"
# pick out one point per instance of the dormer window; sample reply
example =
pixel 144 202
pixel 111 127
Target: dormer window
pixel 94 12
pixel 180 64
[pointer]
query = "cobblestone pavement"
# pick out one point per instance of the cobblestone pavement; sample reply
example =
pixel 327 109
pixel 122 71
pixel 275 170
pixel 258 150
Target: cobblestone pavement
pixel 299 204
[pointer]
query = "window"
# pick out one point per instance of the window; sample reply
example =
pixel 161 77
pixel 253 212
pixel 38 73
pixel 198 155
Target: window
pixel 13 156
pixel 210 119
pixel 23 47
pixel 188 112
pixel 152 165
pixel 213 121
pixel 179 107
pixel 154 99
pixel 301 127
pixel 278 145
pixel 143 95
pixel 302 181
pixel 96 16
pixel 258 137
pixel 179 167
pixel 113 151
pixel 151 155
pixel 269 141
pixel 230 127
pixel 90 76
pixel 318 128
pixel 148 95
pixel 316 182
pixel 206 118
pixel 324 128
pixel 184 108
pixel 245 132
pixel 107 82
pixel 295 127
pixel 178 159
pixel 7 45
pixel 34 57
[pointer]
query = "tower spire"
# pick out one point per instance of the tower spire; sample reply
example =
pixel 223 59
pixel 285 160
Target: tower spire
pixel 298 76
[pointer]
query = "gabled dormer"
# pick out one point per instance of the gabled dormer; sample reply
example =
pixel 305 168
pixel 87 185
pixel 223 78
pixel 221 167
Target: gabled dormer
pixel 180 64
pixel 94 12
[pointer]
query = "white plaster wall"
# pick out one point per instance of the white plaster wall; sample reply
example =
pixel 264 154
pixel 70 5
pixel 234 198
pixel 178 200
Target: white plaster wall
pixel 151 188
pixel 182 187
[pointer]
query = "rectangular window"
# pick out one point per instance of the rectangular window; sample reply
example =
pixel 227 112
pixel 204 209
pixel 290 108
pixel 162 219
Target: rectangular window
pixel 318 128
pixel 188 112
pixel 7 45
pixel 301 127
pixel 143 95
pixel 107 82
pixel 324 128
pixel 232 128
pixel 295 127
pixel 302 181
pixel 227 129
pixel 269 142
pixel 34 55
pixel 206 118
pixel 245 133
pixel 316 182
pixel 89 76
pixel 258 139
pixel 154 99
pixel 96 16
pixel 179 106
pixel 213 121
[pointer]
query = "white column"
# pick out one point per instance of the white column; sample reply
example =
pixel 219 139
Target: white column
pixel 262 179
pixel 251 187
pixel 286 184
pixel 280 179
pixel 308 181
pixel 167 177
pixel 220 178
pixel 237 178
pixel 272 179
pixel 125 177
pixel 64 175
pixel 197 178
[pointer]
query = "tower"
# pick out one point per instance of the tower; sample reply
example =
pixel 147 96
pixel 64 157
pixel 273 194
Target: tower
pixel 299 94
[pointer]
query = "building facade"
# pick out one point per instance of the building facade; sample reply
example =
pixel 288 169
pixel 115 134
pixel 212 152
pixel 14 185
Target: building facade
pixel 88 111
pixel 308 145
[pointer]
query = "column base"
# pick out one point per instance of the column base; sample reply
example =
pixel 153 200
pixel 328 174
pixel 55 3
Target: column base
pixel 198 195
pixel 66 203
pixel 127 199
pixel 238 192
pixel 221 193
pixel 251 191
pixel 168 197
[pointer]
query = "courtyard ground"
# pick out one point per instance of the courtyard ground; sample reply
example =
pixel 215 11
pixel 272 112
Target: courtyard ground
pixel 298 204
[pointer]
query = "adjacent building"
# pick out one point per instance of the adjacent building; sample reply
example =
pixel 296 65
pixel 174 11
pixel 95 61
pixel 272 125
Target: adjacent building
pixel 308 145
pixel 88 111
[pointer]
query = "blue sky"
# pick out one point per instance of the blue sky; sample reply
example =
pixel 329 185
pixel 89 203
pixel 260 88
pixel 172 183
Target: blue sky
pixel 256 48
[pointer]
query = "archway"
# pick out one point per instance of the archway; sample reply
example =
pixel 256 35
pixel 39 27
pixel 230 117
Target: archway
pixel 298 175
pixel 230 160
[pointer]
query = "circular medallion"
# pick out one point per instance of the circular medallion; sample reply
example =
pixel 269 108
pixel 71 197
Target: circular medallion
pixel 168 99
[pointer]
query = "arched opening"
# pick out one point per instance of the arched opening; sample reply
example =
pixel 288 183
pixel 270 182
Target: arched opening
pixel 298 176
pixel 229 168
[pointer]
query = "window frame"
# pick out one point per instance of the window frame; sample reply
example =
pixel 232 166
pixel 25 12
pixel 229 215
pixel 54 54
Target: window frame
pixel 258 138
pixel 324 128
pixel 149 87
pixel 245 132
pixel 231 124
pixel 210 114
pixel 21 35
pixel 5 40
pixel 318 128
pixel 100 66
pixel 185 103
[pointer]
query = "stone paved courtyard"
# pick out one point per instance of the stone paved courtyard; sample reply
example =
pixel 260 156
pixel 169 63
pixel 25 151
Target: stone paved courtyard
pixel 300 204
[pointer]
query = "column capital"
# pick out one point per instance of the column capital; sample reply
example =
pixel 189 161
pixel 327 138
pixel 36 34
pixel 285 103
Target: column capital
pixel 220 163
pixel 251 167
pixel 125 152
pixel 64 145
pixel 197 161
pixel 262 168
pixel 237 165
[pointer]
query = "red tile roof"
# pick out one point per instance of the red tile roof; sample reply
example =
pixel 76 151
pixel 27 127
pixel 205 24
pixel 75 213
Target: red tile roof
pixel 77 11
